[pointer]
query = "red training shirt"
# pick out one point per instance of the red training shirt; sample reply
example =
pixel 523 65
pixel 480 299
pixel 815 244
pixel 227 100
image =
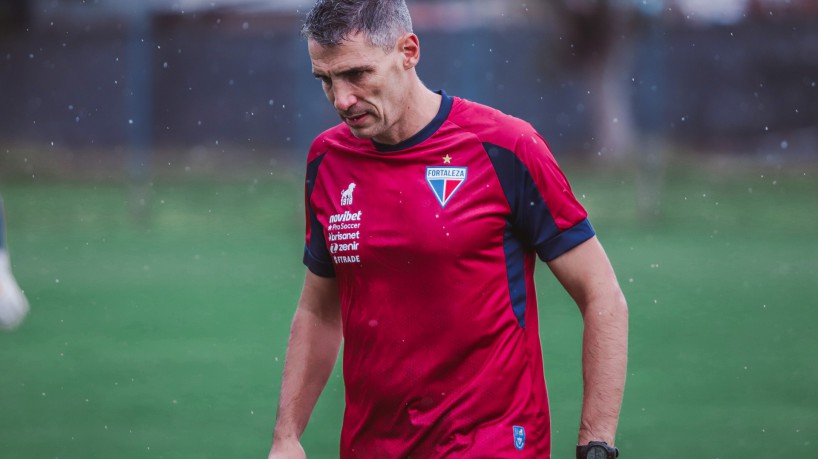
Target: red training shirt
pixel 433 245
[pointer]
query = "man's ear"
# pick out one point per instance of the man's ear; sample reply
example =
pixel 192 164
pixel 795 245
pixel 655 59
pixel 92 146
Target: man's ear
pixel 409 47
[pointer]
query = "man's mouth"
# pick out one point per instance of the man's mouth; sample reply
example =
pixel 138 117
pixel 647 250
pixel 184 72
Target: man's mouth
pixel 354 120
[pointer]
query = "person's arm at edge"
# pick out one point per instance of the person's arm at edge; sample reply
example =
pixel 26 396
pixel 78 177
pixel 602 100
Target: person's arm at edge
pixel 587 275
pixel 315 338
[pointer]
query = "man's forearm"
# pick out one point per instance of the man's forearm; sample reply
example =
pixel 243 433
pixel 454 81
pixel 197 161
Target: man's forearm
pixel 311 355
pixel 604 367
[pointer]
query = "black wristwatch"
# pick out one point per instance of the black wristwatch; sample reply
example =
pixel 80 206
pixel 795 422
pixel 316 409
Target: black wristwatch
pixel 596 450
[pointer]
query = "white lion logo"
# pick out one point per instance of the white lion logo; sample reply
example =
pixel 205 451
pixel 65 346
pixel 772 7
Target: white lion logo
pixel 346 195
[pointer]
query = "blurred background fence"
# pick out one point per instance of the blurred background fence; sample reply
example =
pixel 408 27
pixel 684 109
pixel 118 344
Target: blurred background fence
pixel 105 75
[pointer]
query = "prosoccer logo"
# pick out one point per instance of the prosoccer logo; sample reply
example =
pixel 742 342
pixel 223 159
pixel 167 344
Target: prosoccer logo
pixel 444 181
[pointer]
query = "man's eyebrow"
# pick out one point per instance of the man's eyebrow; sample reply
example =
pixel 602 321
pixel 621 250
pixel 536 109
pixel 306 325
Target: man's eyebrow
pixel 346 72
pixel 353 70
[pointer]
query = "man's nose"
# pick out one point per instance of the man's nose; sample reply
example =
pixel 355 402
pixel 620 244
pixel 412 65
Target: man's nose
pixel 343 97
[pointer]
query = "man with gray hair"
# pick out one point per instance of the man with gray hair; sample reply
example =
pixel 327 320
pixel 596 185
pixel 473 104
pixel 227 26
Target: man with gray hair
pixel 425 214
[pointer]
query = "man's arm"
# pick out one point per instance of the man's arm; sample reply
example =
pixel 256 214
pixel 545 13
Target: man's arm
pixel 315 339
pixel 587 275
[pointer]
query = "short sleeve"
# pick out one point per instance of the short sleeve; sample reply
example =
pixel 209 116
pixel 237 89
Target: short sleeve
pixel 545 214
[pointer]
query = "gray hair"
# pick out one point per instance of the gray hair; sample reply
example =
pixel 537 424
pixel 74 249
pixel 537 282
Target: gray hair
pixel 330 22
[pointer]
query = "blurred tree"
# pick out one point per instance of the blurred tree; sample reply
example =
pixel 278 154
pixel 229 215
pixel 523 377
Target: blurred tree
pixel 598 42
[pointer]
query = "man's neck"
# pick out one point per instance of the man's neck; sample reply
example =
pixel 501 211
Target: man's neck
pixel 422 105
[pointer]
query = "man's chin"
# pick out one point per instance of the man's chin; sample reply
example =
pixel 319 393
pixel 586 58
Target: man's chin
pixel 361 133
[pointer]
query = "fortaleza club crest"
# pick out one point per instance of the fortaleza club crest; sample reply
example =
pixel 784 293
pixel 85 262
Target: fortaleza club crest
pixel 445 180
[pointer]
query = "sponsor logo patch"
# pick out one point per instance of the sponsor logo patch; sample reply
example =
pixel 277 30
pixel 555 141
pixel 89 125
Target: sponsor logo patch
pixel 445 181
pixel 346 195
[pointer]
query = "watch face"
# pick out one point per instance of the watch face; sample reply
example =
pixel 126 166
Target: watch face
pixel 597 452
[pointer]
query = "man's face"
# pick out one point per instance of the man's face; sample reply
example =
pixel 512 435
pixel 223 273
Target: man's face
pixel 366 85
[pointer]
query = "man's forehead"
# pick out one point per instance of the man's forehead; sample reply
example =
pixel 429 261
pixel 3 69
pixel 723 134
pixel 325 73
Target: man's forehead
pixel 347 54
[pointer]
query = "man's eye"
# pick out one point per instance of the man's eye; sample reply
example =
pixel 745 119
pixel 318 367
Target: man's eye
pixel 323 80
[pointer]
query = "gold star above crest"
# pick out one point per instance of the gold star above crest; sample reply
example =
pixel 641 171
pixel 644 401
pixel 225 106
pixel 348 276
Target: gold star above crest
pixel 447 159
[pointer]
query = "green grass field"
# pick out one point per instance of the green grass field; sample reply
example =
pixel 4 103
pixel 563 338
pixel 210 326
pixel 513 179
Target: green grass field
pixel 166 339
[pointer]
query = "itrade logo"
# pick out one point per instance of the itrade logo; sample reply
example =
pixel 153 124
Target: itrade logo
pixel 444 181
pixel 346 195
pixel 519 437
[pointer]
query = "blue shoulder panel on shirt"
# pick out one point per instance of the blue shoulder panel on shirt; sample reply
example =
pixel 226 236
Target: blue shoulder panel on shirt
pixel 316 255
pixel 515 271
pixel 531 220
pixel 530 224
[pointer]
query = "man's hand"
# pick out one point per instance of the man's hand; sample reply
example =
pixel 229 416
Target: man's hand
pixel 287 449
pixel 315 338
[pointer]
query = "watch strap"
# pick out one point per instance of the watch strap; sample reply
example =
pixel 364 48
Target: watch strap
pixel 582 450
